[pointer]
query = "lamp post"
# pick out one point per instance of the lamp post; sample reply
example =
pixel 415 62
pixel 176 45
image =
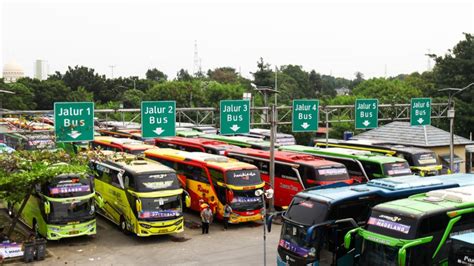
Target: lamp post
pixel 452 92
pixel 264 194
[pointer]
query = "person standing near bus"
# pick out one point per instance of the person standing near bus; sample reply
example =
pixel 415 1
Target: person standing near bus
pixel 206 219
pixel 227 213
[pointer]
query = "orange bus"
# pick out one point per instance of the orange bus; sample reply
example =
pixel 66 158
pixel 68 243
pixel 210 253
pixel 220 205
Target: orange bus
pixel 207 176
pixel 131 146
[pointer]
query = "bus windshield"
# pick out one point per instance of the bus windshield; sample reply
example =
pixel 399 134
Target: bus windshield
pixel 70 186
pixel 156 181
pixel 425 159
pixel 293 239
pixel 71 210
pixel 245 177
pixel 306 211
pixel 396 169
pixel 245 200
pixel 378 254
pixel 160 208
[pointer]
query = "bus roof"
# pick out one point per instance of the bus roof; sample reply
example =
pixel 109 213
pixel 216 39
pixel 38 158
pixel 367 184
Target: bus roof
pixel 216 161
pixel 197 141
pixel 392 186
pixel 435 201
pixel 342 152
pixel 245 141
pixel 125 142
pixel 141 166
pixel 290 157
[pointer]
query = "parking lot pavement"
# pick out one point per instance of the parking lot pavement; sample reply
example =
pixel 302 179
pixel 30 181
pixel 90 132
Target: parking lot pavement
pixel 240 245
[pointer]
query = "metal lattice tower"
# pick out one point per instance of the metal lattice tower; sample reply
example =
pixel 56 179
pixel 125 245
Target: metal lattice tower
pixel 197 60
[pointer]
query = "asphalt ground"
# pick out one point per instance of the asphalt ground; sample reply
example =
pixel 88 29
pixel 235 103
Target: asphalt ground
pixel 241 244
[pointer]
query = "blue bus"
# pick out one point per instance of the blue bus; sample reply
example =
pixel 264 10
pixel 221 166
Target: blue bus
pixel 317 219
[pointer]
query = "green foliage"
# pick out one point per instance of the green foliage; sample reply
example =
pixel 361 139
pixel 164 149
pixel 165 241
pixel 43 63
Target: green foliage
pixel 156 75
pixel 23 99
pixel 80 95
pixel 387 91
pixel 132 98
pixel 223 75
pixel 183 75
pixel 46 92
pixel 264 75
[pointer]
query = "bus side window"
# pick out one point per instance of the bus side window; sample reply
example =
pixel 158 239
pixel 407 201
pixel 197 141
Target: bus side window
pixel 264 167
pixel 129 181
pixel 194 173
pixel 216 176
pixel 285 171
pixel 372 168
pixel 308 175
pixel 114 179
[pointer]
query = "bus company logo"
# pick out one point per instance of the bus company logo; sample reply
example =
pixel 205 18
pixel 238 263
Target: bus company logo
pixel 244 175
pixel 203 190
pixel 306 204
pixel 289 187
pixel 389 225
pixel 160 176
pixel 378 240
pixel 293 248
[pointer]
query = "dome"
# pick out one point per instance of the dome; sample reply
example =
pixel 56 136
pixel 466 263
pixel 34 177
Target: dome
pixel 12 71
pixel 12 67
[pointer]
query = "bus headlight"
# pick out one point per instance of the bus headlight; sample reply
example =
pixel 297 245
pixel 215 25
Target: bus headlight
pixel 146 226
pixel 92 211
pixel 312 252
pixel 54 229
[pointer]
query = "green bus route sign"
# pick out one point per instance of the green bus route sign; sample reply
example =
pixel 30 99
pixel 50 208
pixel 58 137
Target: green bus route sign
pixel 366 113
pixel 420 114
pixel 158 119
pixel 74 121
pixel 305 115
pixel 234 117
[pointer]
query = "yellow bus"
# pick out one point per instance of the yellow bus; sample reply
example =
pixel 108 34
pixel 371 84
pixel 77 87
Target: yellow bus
pixel 206 176
pixel 140 196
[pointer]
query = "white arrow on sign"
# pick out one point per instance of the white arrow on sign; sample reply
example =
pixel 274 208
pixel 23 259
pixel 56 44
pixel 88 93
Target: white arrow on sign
pixel 158 131
pixel 74 134
pixel 366 123
pixel 234 128
pixel 305 125
pixel 420 120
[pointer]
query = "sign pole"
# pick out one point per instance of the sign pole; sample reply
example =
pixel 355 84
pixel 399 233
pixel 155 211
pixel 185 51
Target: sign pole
pixel 273 130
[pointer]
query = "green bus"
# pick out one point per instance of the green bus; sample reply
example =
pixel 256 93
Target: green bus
pixel 361 165
pixel 241 141
pixel 414 231
pixel 62 208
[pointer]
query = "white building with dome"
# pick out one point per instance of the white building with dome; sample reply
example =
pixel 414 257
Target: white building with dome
pixel 12 72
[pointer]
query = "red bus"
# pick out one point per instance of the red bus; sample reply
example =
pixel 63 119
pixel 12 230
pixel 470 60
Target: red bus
pixel 294 172
pixel 194 145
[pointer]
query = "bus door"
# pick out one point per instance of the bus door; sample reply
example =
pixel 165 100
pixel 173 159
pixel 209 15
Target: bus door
pixel 287 183
pixel 197 183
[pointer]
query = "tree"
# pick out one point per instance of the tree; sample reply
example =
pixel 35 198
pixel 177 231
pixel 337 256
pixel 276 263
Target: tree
pixel 264 75
pixel 23 99
pixel 387 91
pixel 223 75
pixel 46 92
pixel 21 171
pixel 80 95
pixel 359 78
pixel 132 98
pixel 183 75
pixel 315 83
pixel 301 79
pixel 86 77
pixel 156 75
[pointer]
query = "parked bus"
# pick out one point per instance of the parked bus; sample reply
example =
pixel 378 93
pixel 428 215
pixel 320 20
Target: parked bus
pixel 293 171
pixel 422 161
pixel 141 196
pixel 414 231
pixel 30 140
pixel 64 207
pixel 194 144
pixel 135 134
pixel 317 219
pixel 241 141
pixel 131 146
pixel 186 132
pixel 281 138
pixel 361 165
pixel 208 176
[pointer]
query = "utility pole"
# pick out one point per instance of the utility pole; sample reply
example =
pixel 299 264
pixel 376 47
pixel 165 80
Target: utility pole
pixel 112 71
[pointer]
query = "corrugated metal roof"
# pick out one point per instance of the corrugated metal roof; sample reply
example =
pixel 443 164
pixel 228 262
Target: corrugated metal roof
pixel 403 133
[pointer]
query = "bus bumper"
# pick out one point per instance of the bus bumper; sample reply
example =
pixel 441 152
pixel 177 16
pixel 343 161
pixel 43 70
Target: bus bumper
pixel 161 227
pixel 236 218
pixel 55 232
pixel 280 262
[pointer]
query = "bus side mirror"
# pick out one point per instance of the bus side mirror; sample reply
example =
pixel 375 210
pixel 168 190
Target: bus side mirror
pixel 402 255
pixel 269 220
pixel 99 201
pixel 138 204
pixel 348 237
pixel 187 200
pixel 47 207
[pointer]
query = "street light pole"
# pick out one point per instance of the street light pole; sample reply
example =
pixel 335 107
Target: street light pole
pixel 451 114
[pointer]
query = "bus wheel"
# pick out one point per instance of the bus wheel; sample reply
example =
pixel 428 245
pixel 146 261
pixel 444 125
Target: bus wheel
pixel 123 225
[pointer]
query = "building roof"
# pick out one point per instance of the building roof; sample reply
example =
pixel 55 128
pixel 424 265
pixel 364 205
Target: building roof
pixel 403 133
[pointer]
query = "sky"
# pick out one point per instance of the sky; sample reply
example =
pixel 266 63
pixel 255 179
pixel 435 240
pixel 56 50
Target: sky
pixel 377 38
